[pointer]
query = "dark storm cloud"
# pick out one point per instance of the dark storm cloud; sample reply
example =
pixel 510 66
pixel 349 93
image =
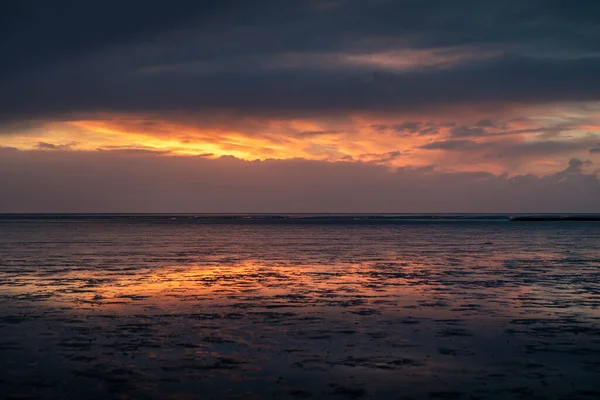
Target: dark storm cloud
pixel 66 27
pixel 87 56
pixel 306 92
pixel 145 182
pixel 43 31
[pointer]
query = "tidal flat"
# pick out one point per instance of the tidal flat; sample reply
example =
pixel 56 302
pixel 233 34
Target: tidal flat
pixel 177 308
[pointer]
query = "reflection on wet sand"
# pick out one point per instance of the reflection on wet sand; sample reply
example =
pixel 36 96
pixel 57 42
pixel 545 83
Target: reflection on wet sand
pixel 394 328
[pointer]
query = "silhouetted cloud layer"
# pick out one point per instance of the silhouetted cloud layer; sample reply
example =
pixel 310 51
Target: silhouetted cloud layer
pixel 122 181
pixel 294 57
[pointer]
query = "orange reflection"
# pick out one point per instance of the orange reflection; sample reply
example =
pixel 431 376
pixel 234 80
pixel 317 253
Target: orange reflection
pixel 246 285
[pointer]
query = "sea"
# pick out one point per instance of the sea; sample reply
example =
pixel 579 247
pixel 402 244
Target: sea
pixel 285 306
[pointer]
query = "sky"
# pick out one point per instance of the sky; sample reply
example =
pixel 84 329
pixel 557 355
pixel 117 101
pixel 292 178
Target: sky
pixel 300 106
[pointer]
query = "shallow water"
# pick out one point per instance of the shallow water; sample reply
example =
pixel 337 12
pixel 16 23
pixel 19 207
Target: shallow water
pixel 160 308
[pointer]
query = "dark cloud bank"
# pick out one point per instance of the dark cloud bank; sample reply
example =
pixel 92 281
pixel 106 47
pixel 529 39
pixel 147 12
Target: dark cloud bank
pixel 72 56
pixel 120 181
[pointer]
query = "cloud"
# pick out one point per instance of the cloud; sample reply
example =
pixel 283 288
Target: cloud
pixel 465 131
pixel 509 153
pixel 235 56
pixel 39 32
pixel 405 128
pixel 50 146
pixel 466 85
pixel 486 123
pixel 513 148
pixel 55 181
pixel 452 144
pixel 381 158
pixel 301 92
pixel 408 126
pixel 309 134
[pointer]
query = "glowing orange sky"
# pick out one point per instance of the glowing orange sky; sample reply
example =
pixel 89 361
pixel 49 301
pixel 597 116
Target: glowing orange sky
pixel 390 140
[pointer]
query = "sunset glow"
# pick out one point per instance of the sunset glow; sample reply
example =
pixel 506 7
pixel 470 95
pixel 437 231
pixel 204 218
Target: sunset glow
pixel 465 143
pixel 384 86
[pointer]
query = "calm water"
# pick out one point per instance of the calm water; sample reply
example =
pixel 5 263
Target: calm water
pixel 185 308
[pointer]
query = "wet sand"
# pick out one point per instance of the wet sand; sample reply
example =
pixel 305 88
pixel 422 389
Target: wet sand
pixel 440 311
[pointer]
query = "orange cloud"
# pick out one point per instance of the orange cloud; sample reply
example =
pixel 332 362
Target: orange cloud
pixel 522 140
